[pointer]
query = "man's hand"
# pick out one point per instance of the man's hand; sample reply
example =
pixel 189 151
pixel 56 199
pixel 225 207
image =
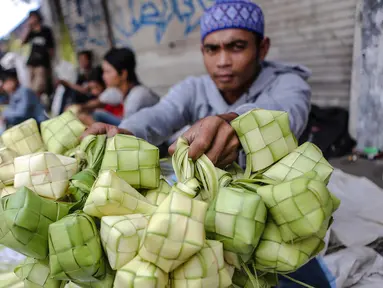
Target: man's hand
pixel 214 137
pixel 102 128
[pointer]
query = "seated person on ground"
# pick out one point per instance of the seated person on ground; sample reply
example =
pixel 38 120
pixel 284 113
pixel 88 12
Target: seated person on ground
pixel 119 68
pixel 77 93
pixel 23 102
pixel 96 87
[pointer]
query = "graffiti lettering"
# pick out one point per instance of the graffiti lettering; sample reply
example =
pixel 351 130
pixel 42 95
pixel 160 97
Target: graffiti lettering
pixel 159 14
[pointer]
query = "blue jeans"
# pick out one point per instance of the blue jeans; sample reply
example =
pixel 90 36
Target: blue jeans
pixel 311 274
pixel 106 117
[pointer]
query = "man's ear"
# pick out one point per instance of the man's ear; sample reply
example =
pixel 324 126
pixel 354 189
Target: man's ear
pixel 264 48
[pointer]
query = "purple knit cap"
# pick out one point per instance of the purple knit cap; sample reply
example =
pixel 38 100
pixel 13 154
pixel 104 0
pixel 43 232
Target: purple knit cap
pixel 229 14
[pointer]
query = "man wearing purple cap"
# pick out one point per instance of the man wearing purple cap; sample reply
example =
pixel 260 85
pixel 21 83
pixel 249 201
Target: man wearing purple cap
pixel 234 49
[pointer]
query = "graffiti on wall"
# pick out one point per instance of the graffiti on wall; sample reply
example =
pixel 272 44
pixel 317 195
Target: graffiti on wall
pixel 130 17
pixel 86 23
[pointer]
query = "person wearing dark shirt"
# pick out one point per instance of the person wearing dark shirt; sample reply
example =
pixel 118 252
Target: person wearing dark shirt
pixel 78 93
pixel 39 62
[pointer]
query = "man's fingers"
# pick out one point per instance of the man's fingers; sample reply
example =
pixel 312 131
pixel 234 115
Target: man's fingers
pixel 220 142
pixel 172 148
pixel 224 162
pixel 101 128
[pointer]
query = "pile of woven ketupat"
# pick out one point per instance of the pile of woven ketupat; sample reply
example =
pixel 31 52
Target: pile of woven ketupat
pixel 98 213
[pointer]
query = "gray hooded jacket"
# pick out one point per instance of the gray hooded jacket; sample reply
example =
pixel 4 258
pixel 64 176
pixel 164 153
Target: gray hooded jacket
pixel 278 87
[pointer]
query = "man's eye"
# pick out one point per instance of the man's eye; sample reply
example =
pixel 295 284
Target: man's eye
pixel 238 47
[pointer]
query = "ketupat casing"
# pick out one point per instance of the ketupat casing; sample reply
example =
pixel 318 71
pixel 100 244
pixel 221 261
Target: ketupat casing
pixel 134 160
pixel 237 218
pixel 265 136
pixel 140 273
pixel 24 138
pixel 276 256
pixel 75 251
pixel 305 158
pixel 158 195
pixel 205 269
pixel 62 133
pixel 298 207
pixel 7 168
pixel 45 173
pixel 121 236
pixel 36 274
pixel 176 229
pixel 24 221
pixel 112 196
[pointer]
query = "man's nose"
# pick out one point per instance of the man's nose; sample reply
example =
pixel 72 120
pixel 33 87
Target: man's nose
pixel 224 59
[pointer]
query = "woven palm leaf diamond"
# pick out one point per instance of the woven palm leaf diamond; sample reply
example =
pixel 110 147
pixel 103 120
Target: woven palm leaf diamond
pixel 24 138
pixel 135 160
pixel 237 218
pixel 112 196
pixel 7 168
pixel 140 273
pixel 299 207
pixel 106 282
pixel 205 269
pixel 158 195
pixel 121 236
pixel 62 133
pixel 45 173
pixel 175 231
pixel 24 221
pixel 7 190
pixel 36 274
pixel 265 137
pixel 305 158
pixel 274 255
pixel 75 251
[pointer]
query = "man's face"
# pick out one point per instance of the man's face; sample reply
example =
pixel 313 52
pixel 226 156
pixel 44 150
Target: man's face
pixel 33 20
pixel 110 75
pixel 231 58
pixel 84 62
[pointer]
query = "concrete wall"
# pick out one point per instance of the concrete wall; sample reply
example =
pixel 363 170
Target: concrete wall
pixel 165 36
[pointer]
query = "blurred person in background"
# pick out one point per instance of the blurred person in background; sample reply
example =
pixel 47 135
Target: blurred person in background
pixel 97 87
pixel 78 92
pixel 23 102
pixel 119 74
pixel 40 60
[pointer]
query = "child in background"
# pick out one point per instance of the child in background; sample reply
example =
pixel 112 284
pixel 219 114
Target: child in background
pixel 23 102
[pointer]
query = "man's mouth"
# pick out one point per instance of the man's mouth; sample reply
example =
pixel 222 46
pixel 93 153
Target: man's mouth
pixel 224 77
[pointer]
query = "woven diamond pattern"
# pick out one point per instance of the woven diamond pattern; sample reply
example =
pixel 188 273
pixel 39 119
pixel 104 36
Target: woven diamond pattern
pixel 135 160
pixel 305 158
pixel 203 270
pixel 62 133
pixel 237 219
pixel 121 236
pixel 24 138
pixel 35 273
pixel 7 190
pixel 274 255
pixel 112 196
pixel 24 221
pixel 75 251
pixel 265 137
pixel 140 273
pixel 7 168
pixel 299 207
pixel 175 232
pixel 158 195
pixel 45 173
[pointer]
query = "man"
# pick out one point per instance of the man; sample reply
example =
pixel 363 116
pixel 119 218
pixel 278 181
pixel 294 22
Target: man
pixel 78 93
pixel 23 102
pixel 42 52
pixel 234 49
